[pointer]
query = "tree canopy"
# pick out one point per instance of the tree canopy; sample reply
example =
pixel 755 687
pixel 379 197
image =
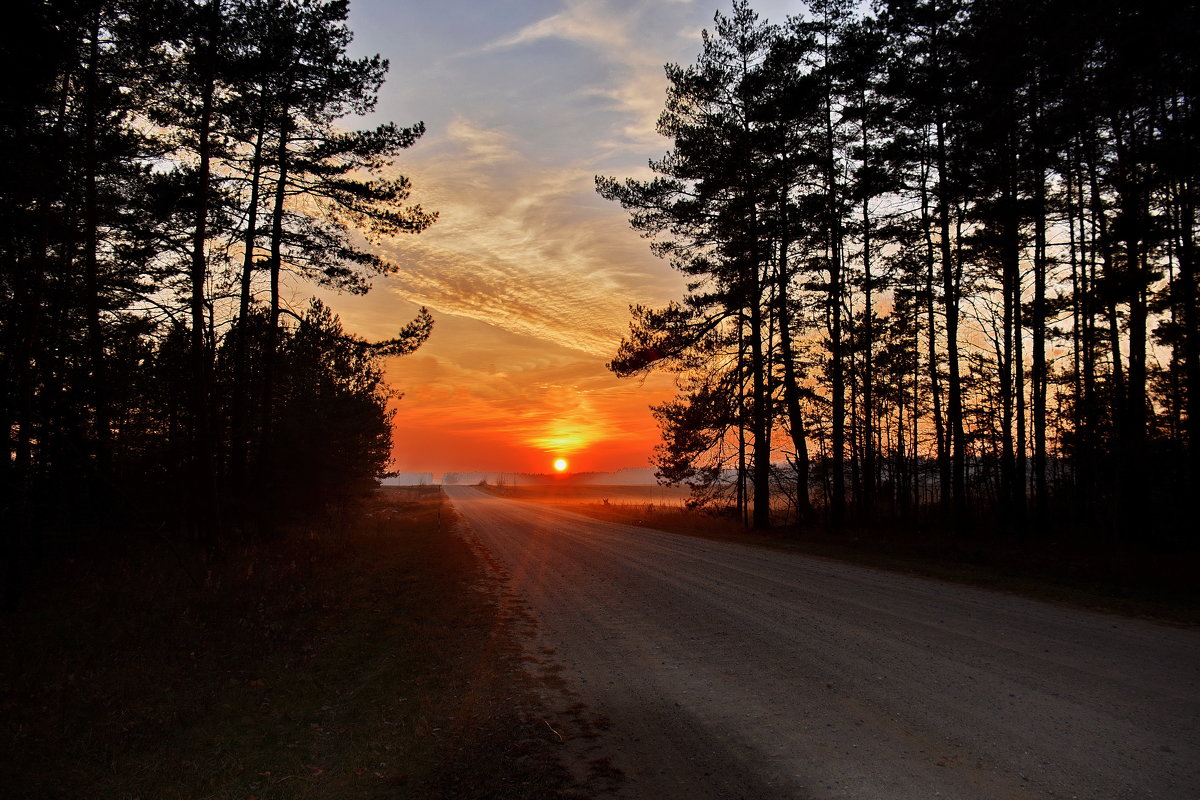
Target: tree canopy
pixel 940 259
pixel 168 163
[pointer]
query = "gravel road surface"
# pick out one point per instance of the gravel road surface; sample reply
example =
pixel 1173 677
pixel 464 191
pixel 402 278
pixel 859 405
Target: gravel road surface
pixel 698 669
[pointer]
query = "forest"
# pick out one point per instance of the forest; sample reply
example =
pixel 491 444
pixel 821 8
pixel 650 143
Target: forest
pixel 941 267
pixel 175 173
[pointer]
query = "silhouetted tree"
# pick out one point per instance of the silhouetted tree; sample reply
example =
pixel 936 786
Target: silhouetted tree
pixel 142 137
pixel 705 208
pixel 981 215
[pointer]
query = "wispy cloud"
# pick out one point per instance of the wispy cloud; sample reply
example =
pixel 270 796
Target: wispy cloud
pixel 622 37
pixel 527 248
pixel 590 23
pixel 523 242
pixel 480 145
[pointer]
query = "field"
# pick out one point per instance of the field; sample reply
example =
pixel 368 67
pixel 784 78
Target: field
pixel 366 659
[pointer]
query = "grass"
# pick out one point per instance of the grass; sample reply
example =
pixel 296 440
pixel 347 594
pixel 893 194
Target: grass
pixel 1080 573
pixel 367 662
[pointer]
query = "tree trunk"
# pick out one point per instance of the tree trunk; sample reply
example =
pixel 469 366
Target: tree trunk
pixel 101 491
pixel 1011 486
pixel 1085 477
pixel 1039 376
pixel 1133 206
pixel 761 476
pixel 742 505
pixel 1191 333
pixel 275 261
pixel 837 381
pixel 791 387
pixel 239 423
pixel 205 497
pixel 950 303
pixel 935 382
pixel 868 401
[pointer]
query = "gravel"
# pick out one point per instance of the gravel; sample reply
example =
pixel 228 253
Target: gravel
pixel 714 670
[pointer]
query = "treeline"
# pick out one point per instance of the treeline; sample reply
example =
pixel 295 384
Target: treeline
pixel 941 263
pixel 536 478
pixel 171 168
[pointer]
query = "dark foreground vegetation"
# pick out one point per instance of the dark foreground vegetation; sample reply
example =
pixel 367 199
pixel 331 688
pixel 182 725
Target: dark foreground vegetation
pixel 363 660
pixel 941 258
pixel 172 169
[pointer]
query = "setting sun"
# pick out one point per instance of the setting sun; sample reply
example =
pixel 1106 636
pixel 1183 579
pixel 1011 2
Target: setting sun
pixel 560 465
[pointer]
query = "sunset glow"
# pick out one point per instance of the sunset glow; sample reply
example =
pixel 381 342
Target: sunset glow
pixel 528 273
pixel 560 465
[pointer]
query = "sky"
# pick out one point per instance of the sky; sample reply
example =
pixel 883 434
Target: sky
pixel 528 272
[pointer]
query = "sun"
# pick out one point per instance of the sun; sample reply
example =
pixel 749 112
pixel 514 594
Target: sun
pixel 560 465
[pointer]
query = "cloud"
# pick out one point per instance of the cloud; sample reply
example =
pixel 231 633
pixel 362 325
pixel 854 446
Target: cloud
pixel 523 242
pixel 587 23
pixel 479 145
pixel 623 36
pixel 524 247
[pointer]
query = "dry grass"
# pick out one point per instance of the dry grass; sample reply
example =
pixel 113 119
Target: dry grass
pixel 363 663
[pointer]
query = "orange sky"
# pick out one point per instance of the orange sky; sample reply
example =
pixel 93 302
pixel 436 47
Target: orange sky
pixel 528 273
pixel 513 375
pixel 486 399
pixel 478 397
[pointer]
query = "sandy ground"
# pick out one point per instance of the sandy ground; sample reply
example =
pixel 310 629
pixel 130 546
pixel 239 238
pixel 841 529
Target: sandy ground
pixel 713 670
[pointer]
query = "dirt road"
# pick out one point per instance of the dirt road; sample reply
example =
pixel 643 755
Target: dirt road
pixel 712 670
